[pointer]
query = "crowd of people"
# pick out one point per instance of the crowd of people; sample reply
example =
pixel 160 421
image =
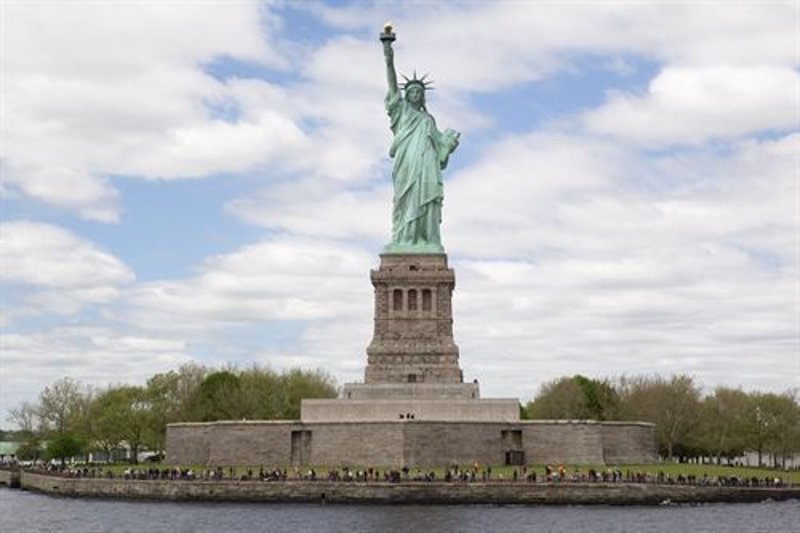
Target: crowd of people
pixel 452 474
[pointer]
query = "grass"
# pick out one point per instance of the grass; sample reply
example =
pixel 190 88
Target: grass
pixel 672 469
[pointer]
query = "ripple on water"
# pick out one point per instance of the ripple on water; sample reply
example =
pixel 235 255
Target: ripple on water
pixel 24 511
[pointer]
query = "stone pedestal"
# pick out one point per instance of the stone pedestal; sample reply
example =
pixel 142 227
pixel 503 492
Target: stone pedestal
pixel 413 336
pixel 412 371
pixel 419 409
pixel 418 391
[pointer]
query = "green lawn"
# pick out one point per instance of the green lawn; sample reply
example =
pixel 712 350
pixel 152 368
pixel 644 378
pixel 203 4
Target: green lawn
pixel 506 472
pixel 671 469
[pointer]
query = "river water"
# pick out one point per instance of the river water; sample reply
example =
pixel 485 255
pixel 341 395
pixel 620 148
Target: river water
pixel 22 511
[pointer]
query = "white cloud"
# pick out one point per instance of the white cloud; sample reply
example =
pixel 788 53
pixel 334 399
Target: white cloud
pixel 47 270
pixel 684 263
pixel 689 105
pixel 94 90
pixel 44 254
pixel 109 89
pixel 314 208
pixel 56 271
pixel 508 202
pixel 93 355
pixel 575 250
pixel 469 44
pixel 285 280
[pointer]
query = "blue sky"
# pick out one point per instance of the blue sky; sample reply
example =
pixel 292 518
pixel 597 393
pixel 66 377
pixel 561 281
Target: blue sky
pixel 209 182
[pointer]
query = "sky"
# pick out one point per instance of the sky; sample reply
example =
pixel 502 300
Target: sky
pixel 209 181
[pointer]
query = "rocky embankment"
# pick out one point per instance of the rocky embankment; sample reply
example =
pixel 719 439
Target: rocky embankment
pixel 405 492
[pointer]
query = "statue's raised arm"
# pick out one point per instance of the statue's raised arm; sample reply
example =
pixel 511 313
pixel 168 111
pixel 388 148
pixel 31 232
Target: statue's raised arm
pixel 387 38
pixel 420 152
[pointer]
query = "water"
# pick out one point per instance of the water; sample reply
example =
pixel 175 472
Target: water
pixel 29 512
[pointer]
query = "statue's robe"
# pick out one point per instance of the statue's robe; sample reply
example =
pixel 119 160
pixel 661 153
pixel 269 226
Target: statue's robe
pixel 420 153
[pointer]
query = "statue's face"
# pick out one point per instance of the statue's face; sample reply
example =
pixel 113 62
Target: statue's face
pixel 415 95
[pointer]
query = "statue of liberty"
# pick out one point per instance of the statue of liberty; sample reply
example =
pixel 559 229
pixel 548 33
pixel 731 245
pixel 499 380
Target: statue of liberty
pixel 420 152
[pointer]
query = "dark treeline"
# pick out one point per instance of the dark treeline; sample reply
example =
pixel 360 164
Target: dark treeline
pixel 74 419
pixel 723 424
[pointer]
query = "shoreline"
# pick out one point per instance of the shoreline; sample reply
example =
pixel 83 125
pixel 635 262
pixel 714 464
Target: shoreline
pixel 406 492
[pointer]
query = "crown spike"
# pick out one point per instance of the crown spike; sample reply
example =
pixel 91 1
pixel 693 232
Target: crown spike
pixel 424 82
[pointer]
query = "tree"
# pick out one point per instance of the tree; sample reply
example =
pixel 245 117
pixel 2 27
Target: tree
pixel 59 405
pixel 299 384
pixel 107 421
pixel 263 394
pixel 575 397
pixel 171 396
pixel 772 422
pixel 722 431
pixel 26 417
pixel 259 393
pixel 219 397
pixel 137 414
pixel 64 445
pixel 672 405
pixel 30 449
pixel 80 419
pixel 786 438
pixel 600 397
pixel 121 414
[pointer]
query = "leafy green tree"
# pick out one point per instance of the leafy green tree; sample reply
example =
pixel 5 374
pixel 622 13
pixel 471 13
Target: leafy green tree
pixel 219 396
pixel 300 384
pixel 107 420
pixel 786 438
pixel 122 414
pixel 672 405
pixel 771 422
pixel 263 394
pixel 559 399
pixel 576 397
pixel 260 393
pixel 64 445
pixel 722 429
pixel 30 449
pixel 599 396
pixel 172 399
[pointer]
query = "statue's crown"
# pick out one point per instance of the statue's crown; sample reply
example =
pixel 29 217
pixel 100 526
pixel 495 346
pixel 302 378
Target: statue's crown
pixel 423 82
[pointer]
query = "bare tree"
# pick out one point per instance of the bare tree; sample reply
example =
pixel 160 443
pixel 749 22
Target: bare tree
pixel 26 417
pixel 60 405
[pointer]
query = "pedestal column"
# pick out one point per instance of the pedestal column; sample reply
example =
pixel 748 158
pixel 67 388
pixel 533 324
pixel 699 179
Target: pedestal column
pixel 413 336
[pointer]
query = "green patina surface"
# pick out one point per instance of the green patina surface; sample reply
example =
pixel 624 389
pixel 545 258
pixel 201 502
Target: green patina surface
pixel 420 152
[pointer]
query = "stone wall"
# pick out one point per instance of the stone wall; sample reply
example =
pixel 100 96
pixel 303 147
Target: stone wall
pixel 446 443
pixel 252 443
pixel 189 442
pixel 493 410
pixel 452 493
pixel 563 441
pixel 622 440
pixel 427 391
pixel 357 444
pixel 408 443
